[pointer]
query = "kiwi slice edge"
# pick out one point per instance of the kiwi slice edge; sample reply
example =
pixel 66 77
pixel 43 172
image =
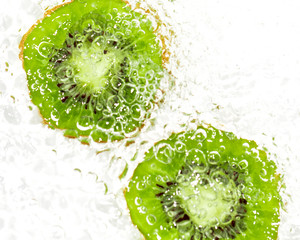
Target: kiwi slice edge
pixel 131 125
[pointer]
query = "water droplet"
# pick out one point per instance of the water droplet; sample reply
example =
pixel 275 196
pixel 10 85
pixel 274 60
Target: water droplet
pixel 196 155
pixel 214 157
pixel 140 185
pixel 243 164
pixel 55 115
pixel 45 49
pixel 180 147
pixel 142 209
pixel 85 123
pixel 149 75
pixel 151 219
pixel 137 112
pixel 106 122
pixel 200 135
pixel 129 93
pixel 138 201
pixel 164 153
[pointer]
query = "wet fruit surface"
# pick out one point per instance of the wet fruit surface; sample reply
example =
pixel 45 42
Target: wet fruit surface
pixel 93 68
pixel 205 184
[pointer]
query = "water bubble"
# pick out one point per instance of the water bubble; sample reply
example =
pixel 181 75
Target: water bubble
pixel 129 93
pixel 243 164
pixel 142 209
pixel 138 201
pixel 164 153
pixel 140 185
pixel 135 23
pixel 151 219
pixel 45 49
pixel 106 122
pixel 149 75
pixel 263 175
pixel 108 17
pixel 197 156
pixel 55 115
pixel 220 177
pixel 200 135
pixel 214 157
pixel 180 147
pixel 85 123
pixel 137 112
pixel 87 24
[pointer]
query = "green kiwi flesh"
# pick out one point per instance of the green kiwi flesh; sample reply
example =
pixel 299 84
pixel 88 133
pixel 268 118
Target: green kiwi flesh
pixel 93 68
pixel 205 184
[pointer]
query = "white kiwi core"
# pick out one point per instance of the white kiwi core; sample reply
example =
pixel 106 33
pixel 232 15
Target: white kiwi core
pixel 94 65
pixel 208 204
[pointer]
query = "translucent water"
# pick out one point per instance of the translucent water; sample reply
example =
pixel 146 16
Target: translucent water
pixel 235 65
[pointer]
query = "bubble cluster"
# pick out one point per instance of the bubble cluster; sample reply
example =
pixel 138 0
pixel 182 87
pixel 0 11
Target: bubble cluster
pixel 205 184
pixel 94 73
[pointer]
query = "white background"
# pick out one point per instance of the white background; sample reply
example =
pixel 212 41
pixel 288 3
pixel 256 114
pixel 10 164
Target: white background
pixel 236 65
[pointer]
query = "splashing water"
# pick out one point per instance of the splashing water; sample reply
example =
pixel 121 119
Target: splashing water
pixel 234 65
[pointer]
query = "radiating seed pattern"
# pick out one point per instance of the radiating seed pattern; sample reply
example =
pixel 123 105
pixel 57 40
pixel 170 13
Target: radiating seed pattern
pixel 94 73
pixel 212 186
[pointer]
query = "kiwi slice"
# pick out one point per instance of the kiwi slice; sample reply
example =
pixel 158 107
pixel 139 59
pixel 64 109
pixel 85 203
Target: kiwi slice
pixel 205 184
pixel 93 68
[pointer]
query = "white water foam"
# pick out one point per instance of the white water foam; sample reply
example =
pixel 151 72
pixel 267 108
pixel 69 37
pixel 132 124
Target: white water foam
pixel 235 65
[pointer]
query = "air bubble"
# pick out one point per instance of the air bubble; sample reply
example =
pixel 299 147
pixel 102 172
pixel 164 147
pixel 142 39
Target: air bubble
pixel 85 123
pixel 180 147
pixel 108 17
pixel 164 153
pixel 214 157
pixel 243 164
pixel 45 49
pixel 99 41
pixel 220 177
pixel 149 75
pixel 129 93
pixel 125 24
pixel 109 31
pixel 197 156
pixel 137 112
pixel 106 122
pixel 140 185
pixel 138 201
pixel 200 135
pixel 55 115
pixel 90 23
pixel 124 110
pixel 263 175
pixel 135 24
pixel 151 219
pixel 142 209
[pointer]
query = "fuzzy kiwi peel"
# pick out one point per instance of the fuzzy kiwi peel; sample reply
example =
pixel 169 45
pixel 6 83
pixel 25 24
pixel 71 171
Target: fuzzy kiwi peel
pixel 93 68
pixel 205 184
